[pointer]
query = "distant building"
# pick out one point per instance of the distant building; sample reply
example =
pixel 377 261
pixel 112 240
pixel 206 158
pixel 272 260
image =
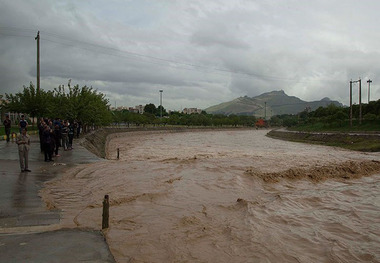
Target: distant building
pixel 140 109
pixel 191 111
pixel 131 109
pixel 136 109
pixel 120 108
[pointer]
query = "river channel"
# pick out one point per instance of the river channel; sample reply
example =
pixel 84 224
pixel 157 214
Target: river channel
pixel 226 196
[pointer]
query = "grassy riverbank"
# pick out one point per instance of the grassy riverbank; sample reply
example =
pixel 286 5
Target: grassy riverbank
pixel 365 127
pixel 366 142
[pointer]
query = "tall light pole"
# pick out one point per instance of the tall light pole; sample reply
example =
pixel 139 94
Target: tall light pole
pixel 360 101
pixel 161 102
pixel 369 84
pixel 351 103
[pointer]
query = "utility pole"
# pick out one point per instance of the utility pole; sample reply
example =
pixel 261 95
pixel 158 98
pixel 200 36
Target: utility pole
pixel 161 102
pixel 360 100
pixel 38 60
pixel 369 84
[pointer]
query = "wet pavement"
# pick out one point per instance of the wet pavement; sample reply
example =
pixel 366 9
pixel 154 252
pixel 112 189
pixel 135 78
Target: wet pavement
pixel 29 232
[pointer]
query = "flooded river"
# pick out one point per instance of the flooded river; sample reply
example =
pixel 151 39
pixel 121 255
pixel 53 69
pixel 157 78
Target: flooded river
pixel 227 196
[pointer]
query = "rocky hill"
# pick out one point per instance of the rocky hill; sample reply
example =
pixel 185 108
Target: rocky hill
pixel 277 103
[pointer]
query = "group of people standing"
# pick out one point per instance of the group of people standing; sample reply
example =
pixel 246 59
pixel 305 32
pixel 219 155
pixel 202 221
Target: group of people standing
pixel 53 134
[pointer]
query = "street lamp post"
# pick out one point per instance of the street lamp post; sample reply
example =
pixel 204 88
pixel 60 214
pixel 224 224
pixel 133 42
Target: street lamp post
pixel 351 103
pixel 161 103
pixel 369 84
pixel 360 101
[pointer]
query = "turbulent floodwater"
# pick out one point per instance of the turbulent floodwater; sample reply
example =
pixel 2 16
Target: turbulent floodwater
pixel 199 197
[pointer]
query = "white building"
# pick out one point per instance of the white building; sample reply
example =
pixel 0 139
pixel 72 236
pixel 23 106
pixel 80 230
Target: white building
pixel 191 111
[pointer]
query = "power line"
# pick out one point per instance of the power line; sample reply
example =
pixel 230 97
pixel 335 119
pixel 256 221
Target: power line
pixel 161 59
pixel 110 54
pixel 16 35
pixel 63 40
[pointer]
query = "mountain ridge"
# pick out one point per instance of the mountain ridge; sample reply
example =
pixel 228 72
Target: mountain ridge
pixel 268 104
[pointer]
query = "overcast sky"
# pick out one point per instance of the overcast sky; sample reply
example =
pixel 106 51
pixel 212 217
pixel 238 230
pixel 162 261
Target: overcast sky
pixel 199 52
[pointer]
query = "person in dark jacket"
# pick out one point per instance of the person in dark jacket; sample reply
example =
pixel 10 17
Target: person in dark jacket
pixel 47 139
pixel 23 123
pixel 41 128
pixel 7 126
pixel 71 135
pixel 57 139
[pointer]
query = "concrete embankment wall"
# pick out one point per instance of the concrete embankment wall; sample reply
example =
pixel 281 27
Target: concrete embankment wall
pixel 97 141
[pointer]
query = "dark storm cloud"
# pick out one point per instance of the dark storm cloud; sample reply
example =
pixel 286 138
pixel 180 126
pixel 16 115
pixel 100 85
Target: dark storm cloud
pixel 199 52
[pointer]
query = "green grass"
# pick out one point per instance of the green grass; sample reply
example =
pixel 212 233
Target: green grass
pixel 31 130
pixel 363 142
pixel 373 126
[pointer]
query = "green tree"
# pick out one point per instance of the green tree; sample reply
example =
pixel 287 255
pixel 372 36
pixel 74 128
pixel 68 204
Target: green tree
pixel 31 101
pixel 158 112
pixel 150 108
pixel 74 103
pixel 174 119
pixel 118 116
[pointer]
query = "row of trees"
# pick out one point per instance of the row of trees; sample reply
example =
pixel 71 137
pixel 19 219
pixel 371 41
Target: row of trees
pixel 177 118
pixel 73 103
pixel 331 116
pixel 92 108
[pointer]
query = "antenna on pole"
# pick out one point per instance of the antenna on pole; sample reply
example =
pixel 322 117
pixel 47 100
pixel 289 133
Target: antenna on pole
pixel 38 60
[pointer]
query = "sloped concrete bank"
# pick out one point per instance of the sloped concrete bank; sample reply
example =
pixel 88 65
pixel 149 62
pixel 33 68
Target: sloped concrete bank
pixel 97 141
pixel 368 142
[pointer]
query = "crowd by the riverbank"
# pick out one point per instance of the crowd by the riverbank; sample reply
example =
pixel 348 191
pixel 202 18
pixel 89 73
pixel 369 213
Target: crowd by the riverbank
pixel 53 135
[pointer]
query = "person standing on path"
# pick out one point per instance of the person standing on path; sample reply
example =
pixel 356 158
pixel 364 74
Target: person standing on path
pixel 71 135
pixel 23 142
pixel 41 125
pixel 57 139
pixel 7 125
pixel 65 138
pixel 48 141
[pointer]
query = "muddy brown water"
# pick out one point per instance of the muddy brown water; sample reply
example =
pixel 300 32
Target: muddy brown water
pixel 201 197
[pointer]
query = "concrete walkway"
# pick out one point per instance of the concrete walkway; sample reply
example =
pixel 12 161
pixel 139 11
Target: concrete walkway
pixel 28 231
